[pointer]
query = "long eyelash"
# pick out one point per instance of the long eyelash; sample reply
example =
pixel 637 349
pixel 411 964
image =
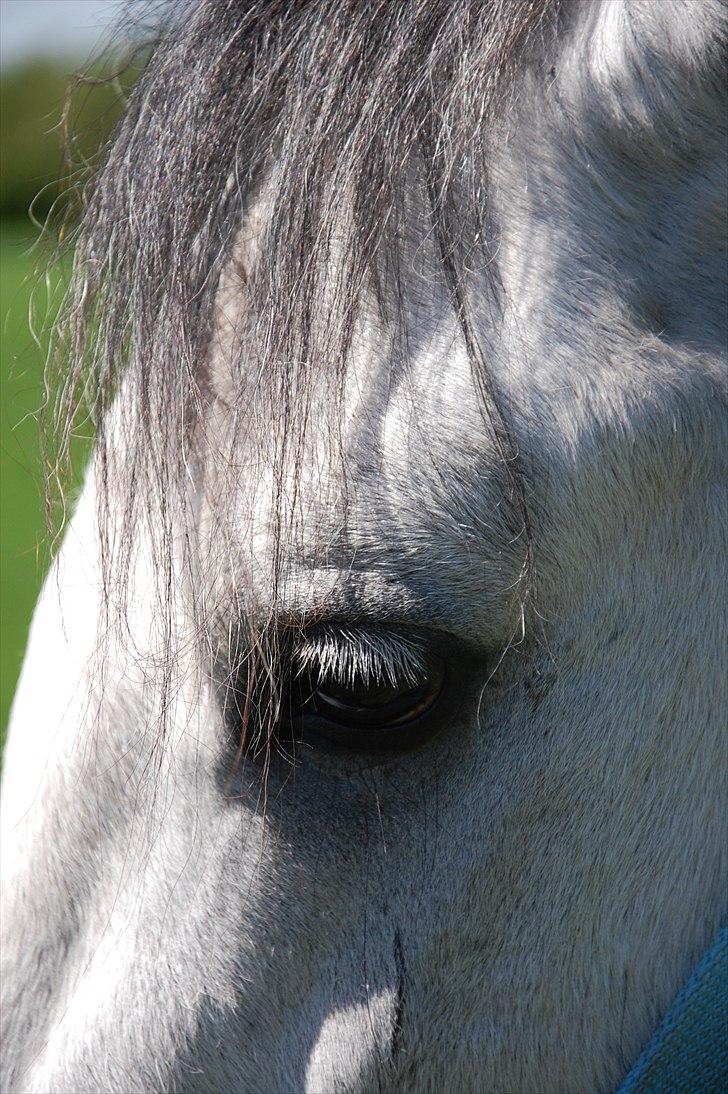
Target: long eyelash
pixel 347 656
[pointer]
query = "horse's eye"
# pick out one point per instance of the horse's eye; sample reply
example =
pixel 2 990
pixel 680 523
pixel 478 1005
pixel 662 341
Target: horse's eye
pixel 366 712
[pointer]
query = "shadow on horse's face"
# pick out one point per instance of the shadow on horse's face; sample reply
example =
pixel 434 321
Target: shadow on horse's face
pixel 436 806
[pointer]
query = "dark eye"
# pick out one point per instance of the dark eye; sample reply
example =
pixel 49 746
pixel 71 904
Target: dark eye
pixel 366 713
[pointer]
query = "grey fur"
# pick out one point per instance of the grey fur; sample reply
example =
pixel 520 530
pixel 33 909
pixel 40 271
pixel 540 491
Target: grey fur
pixel 306 433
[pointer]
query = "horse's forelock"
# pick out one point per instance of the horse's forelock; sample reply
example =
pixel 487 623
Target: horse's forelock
pixel 338 109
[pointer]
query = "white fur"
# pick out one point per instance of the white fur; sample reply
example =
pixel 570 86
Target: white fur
pixel 526 893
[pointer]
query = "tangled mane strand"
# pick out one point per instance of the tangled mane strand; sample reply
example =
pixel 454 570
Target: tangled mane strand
pixel 340 108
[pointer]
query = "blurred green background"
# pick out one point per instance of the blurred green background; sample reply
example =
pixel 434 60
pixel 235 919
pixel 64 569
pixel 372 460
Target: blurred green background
pixel 22 555
pixel 42 48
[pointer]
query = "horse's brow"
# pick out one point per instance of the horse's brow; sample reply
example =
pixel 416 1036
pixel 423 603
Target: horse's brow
pixel 363 598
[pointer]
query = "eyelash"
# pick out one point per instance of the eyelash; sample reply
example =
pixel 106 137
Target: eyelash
pixel 346 656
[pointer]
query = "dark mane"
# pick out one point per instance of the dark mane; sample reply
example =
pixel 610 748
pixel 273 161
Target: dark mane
pixel 342 107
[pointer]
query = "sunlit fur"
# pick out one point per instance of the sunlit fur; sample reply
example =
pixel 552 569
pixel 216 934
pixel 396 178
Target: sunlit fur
pixel 400 321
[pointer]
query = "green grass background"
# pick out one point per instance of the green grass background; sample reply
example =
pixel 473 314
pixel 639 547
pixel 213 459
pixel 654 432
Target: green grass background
pixel 23 542
pixel 32 99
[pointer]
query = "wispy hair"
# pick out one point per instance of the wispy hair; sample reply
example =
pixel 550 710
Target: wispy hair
pixel 349 113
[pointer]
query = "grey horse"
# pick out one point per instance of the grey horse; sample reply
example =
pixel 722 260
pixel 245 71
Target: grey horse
pixel 370 735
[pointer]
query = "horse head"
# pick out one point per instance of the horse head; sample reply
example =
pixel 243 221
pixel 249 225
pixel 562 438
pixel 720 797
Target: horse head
pixel 379 739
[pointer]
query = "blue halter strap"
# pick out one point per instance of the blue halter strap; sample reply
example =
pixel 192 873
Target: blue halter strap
pixel 689 1052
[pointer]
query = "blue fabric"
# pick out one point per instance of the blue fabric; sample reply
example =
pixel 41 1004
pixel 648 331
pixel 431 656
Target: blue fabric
pixel 689 1052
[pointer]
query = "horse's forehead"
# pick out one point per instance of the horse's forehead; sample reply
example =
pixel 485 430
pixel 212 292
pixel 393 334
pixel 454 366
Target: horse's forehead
pixel 383 480
pixel 404 405
pixel 405 474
